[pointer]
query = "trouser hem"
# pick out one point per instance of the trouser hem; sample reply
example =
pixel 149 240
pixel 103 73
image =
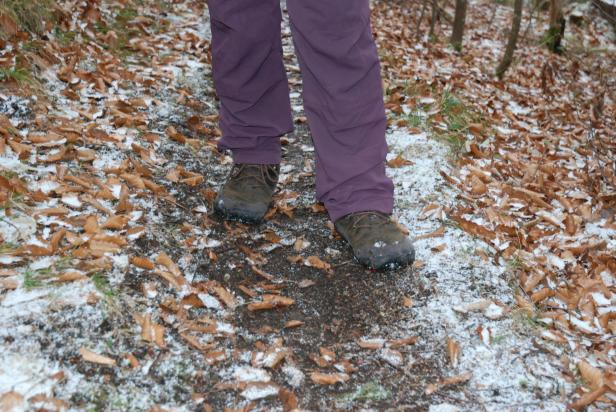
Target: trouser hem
pixel 257 157
pixel 379 204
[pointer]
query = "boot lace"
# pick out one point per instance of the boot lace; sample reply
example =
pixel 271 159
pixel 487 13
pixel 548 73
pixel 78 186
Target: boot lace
pixel 367 220
pixel 266 174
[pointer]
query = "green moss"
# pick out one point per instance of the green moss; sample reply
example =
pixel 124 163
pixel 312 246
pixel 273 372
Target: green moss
pixel 369 391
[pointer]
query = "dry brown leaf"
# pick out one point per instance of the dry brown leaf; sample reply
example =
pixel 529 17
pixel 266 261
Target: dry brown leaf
pixel 11 401
pixel 150 331
pixel 438 248
pixel 452 380
pixel 591 375
pixel 261 273
pixel 214 357
pixel 293 324
pixel 316 262
pixel 398 343
pixel 398 162
pixel 175 281
pixel 300 244
pixel 372 344
pixel 70 277
pixel 93 357
pixel 440 232
pixel 270 302
pixel 8 284
pixel 142 262
pixel 407 302
pixel 224 295
pixel 474 229
pixel 134 181
pixel 453 351
pixel 117 222
pixel 328 378
pixel 477 186
pixel 306 283
pixel 288 399
pixel 192 181
pixel 165 260
pixel 588 398
pixel 134 362
pixel 328 355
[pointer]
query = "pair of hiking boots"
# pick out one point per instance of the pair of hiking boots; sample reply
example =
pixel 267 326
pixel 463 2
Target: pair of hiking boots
pixel 376 240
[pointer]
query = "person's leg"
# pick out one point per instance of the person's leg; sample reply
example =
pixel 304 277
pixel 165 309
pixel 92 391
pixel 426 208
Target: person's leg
pixel 250 78
pixel 343 99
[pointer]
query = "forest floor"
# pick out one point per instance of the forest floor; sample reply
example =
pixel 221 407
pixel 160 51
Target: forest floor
pixel 119 291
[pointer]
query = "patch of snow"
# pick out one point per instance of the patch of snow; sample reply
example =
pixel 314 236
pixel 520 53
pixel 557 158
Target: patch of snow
pixel 293 375
pixel 250 374
pixel 259 391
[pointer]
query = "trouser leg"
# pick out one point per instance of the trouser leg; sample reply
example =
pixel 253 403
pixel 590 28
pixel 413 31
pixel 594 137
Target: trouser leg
pixel 250 78
pixel 343 99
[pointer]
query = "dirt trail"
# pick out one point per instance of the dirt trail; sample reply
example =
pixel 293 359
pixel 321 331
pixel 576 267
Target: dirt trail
pixel 405 318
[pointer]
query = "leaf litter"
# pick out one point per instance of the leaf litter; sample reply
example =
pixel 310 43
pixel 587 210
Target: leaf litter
pixel 110 300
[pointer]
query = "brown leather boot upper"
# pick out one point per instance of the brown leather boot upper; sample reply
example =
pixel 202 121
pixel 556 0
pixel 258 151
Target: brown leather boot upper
pixel 247 193
pixel 376 240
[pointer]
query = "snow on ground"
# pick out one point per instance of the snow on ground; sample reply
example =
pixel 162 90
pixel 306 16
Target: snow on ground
pixel 473 300
pixel 466 324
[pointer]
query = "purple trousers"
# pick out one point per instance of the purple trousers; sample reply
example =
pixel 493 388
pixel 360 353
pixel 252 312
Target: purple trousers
pixel 342 91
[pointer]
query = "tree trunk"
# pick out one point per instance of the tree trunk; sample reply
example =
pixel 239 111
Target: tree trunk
pixel 421 16
pixel 513 39
pixel 458 24
pixel 556 30
pixel 433 19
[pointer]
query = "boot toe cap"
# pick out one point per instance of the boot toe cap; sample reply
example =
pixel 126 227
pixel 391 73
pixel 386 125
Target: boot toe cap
pixel 385 256
pixel 239 210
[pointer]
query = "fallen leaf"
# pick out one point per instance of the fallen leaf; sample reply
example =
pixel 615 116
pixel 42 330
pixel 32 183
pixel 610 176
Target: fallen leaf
pixel 398 343
pixel 452 380
pixel 591 375
pixel 398 162
pixel 293 324
pixel 453 351
pixel 11 401
pixel 316 262
pixel 270 302
pixel 439 248
pixel 288 399
pixel 328 378
pixel 224 295
pixel 93 357
pixel 372 344
pixel 142 262
pixel 117 222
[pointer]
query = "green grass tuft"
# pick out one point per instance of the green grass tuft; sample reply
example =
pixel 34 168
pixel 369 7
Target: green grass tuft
pixel 31 281
pixel 21 76
pixel 29 15
pixel 102 285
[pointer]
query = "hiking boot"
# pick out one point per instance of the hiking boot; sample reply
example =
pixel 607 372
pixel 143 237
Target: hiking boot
pixel 376 240
pixel 247 194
